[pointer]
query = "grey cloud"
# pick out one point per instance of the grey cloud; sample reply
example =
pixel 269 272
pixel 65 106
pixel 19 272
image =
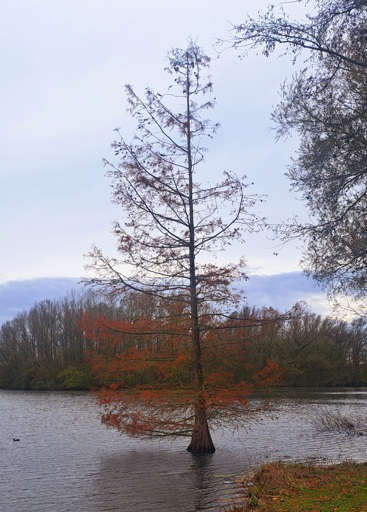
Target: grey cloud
pixel 18 296
pixel 280 291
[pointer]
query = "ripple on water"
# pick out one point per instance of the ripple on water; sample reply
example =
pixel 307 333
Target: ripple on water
pixel 66 460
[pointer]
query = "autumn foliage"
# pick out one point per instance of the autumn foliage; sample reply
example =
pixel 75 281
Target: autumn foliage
pixel 169 370
pixel 146 365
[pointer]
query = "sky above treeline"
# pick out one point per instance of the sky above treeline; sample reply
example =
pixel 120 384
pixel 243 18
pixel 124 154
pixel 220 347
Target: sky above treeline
pixel 280 291
pixel 64 66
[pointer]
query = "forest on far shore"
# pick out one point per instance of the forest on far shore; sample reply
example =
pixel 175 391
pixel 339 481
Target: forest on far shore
pixel 45 349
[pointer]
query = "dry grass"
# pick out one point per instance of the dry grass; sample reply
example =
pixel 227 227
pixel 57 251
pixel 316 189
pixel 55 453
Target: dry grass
pixel 307 487
pixel 339 423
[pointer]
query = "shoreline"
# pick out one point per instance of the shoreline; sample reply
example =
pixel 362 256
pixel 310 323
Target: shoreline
pixel 279 486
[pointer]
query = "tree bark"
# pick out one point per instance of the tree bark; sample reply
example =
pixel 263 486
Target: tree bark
pixel 201 440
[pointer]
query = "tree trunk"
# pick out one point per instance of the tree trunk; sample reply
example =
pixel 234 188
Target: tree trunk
pixel 201 440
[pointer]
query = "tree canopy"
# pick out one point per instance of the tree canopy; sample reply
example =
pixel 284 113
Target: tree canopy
pixel 325 104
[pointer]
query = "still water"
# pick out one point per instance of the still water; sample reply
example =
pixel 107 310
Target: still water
pixel 66 461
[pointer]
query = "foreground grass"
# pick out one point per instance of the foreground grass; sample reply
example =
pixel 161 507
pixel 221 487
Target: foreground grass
pixel 306 487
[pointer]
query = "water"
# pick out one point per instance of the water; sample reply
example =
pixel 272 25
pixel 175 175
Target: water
pixel 66 461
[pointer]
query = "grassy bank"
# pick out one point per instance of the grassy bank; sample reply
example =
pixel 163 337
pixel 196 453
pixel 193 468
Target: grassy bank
pixel 307 487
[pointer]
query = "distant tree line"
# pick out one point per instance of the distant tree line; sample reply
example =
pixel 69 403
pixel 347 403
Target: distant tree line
pixel 45 347
pixel 312 350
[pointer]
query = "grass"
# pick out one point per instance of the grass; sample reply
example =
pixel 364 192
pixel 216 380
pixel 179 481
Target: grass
pixel 307 488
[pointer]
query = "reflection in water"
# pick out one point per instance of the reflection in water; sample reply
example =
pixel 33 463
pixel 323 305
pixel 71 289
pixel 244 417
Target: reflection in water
pixel 67 461
pixel 148 481
pixel 202 477
pixel 160 480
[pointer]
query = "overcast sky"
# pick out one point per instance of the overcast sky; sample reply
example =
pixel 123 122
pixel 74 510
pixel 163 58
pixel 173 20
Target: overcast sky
pixel 64 64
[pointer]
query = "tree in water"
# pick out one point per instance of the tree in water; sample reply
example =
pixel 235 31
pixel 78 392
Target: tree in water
pixel 173 228
pixel 325 104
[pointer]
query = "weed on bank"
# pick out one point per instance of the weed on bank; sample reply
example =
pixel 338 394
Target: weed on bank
pixel 306 488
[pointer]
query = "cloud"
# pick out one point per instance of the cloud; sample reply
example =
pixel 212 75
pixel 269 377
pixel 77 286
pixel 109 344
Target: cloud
pixel 19 296
pixel 280 291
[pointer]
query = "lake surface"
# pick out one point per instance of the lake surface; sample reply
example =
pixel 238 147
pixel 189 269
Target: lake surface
pixel 66 461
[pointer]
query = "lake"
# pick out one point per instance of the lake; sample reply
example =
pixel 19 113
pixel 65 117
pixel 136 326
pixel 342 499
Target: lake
pixel 66 461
